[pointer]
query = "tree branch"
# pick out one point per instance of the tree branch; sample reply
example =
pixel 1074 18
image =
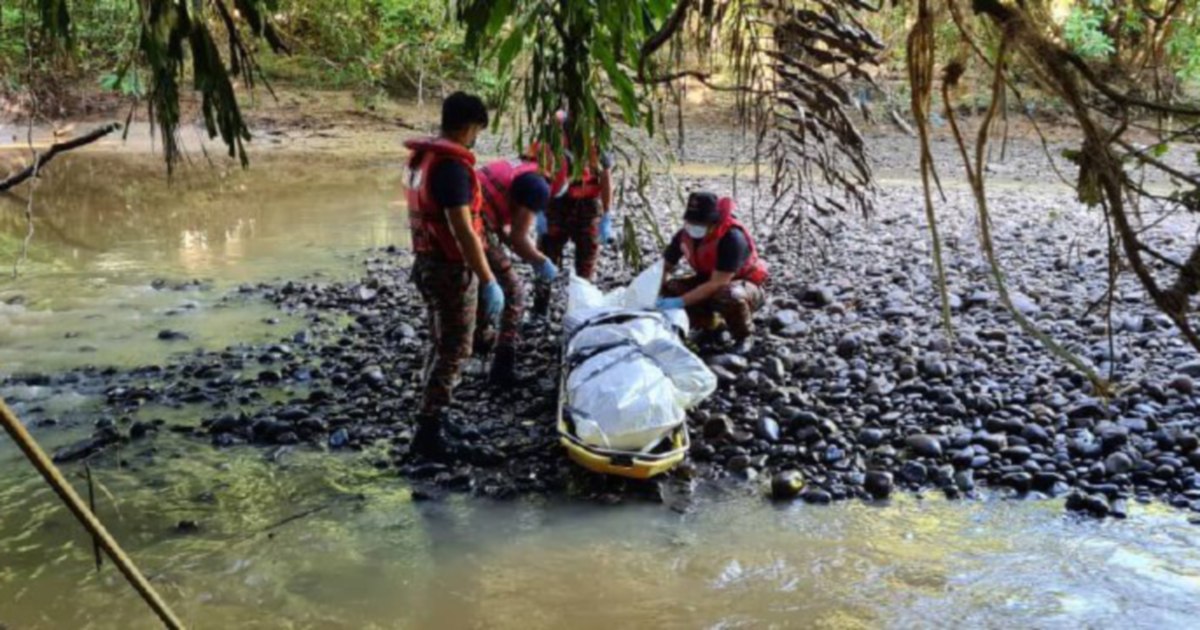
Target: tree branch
pixel 55 149
pixel 663 35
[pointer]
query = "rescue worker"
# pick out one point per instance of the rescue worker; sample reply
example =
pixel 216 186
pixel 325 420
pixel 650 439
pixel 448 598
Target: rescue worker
pixel 728 274
pixel 514 192
pixel 444 206
pixel 579 212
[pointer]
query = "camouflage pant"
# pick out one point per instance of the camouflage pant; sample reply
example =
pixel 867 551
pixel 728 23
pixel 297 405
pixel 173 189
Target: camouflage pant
pixel 734 302
pixel 514 299
pixel 450 293
pixel 578 221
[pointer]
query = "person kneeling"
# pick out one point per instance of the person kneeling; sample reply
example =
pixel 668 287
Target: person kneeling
pixel 728 274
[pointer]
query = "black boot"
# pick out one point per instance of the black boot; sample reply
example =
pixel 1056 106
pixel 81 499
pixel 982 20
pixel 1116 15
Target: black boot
pixel 503 372
pixel 429 441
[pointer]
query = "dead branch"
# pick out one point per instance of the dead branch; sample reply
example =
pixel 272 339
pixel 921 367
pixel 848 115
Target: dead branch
pixel 55 149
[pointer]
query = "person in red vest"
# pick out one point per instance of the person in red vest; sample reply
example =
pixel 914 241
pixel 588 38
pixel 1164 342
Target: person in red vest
pixel 446 223
pixel 728 274
pixel 515 192
pixel 579 211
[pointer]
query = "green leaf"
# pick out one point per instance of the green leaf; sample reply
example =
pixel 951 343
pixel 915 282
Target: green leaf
pixel 501 9
pixel 660 9
pixel 621 82
pixel 511 47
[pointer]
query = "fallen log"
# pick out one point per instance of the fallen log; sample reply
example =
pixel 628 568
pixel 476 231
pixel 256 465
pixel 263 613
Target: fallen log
pixel 55 149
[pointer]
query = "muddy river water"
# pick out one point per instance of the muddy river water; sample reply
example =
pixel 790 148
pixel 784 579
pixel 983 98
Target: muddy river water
pixel 312 540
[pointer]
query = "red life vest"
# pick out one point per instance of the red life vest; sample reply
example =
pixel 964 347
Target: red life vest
pixel 431 232
pixel 588 184
pixel 495 182
pixel 703 256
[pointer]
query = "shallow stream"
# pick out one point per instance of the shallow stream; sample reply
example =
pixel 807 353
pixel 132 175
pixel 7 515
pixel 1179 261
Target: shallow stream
pixel 299 539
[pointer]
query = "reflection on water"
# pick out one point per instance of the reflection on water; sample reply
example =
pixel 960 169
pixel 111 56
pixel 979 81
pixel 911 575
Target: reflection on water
pixel 363 555
pixel 107 225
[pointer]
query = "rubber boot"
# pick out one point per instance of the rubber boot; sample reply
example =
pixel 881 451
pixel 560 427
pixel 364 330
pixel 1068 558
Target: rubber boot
pixel 429 441
pixel 503 372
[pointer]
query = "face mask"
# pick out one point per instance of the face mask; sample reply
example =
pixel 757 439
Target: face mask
pixel 695 231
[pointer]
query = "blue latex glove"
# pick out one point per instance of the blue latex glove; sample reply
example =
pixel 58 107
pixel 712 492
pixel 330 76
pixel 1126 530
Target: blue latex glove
pixel 541 224
pixel 669 303
pixel 546 271
pixel 493 299
pixel 606 233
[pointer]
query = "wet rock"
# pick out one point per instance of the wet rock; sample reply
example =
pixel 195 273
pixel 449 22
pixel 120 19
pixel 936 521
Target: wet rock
pixel 1016 454
pixel 964 480
pixel 870 437
pixel 718 428
pixel 1019 481
pixel 774 369
pixel 786 485
pixel 1035 434
pixel 172 335
pixel 992 442
pixel 1024 304
pixel 1088 409
pixel 914 472
pixel 784 319
pixel 924 445
pixel 339 438
pixel 365 294
pixel 1191 368
pixel 724 376
pixel 1113 437
pixel 1183 384
pixel 735 364
pixel 799 329
pixel 87 446
pixel 996 335
pixel 816 496
pixel 373 376
pixel 933 367
pixel 1094 504
pixel 849 345
pixel 980 298
pixel 139 429
pixel 1118 464
pixel 817 296
pixel 767 429
pixel 878 483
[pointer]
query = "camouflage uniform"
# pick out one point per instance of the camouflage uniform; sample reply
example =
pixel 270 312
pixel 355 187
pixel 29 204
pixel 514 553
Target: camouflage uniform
pixel 734 302
pixel 578 221
pixel 514 299
pixel 450 293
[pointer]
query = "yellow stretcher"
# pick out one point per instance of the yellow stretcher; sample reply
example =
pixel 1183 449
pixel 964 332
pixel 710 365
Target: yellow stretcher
pixel 621 463
pixel 615 462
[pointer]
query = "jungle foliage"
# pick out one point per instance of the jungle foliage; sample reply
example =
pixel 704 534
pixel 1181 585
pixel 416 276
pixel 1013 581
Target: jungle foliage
pixel 1117 67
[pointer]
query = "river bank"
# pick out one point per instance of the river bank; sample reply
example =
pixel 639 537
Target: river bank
pixel 253 458
pixel 854 386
